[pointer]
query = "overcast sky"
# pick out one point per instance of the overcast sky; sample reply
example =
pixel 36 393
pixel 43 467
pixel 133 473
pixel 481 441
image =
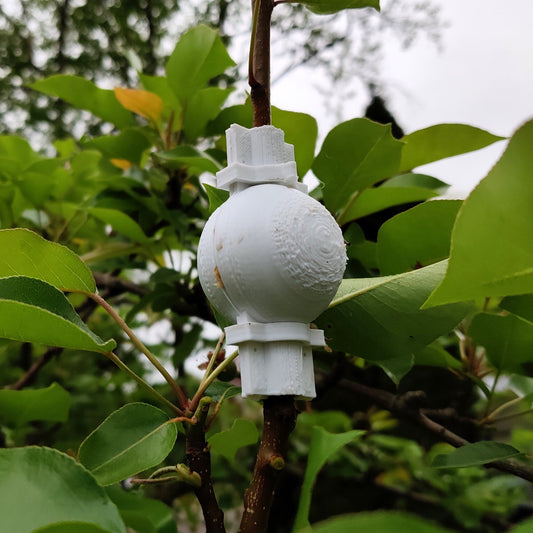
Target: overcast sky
pixel 482 76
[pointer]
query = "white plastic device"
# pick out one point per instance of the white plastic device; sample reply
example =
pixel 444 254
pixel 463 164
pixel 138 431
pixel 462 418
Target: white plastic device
pixel 270 259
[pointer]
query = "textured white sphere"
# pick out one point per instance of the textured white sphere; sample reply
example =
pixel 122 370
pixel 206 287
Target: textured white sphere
pixel 271 254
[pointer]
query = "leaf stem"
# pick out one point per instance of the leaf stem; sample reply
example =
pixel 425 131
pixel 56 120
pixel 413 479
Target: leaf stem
pixel 178 391
pixel 148 388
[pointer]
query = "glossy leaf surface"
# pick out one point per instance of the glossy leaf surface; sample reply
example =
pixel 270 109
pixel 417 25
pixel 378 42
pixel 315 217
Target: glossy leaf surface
pixel 478 453
pixel 130 440
pixel 380 318
pixel 417 237
pixel 25 253
pixel 492 249
pixel 323 446
pixel 442 141
pixel 48 479
pixel 20 406
pixel 34 311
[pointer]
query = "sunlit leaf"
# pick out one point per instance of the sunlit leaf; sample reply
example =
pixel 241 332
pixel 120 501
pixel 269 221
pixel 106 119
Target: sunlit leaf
pixel 34 311
pixel 441 141
pixel 84 94
pixel 355 155
pixel 130 440
pixel 48 479
pixel 492 249
pixel 25 253
pixel 198 56
pixel 144 103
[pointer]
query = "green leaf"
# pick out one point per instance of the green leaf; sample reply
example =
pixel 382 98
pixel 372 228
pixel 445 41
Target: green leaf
pixel 327 7
pixel 130 440
pixel 378 522
pixel 187 344
pixel 188 156
pixel 492 249
pixel 417 237
pixel 198 56
pixel 220 389
pixel 16 154
pixel 519 305
pixel 204 105
pixel 524 527
pixel 120 222
pixel 34 311
pixel 376 199
pixel 397 367
pixel 508 341
pixel 478 453
pixel 242 433
pixel 442 141
pixel 216 197
pixel 155 511
pixel 435 355
pixel 50 481
pixel 84 94
pixel 129 144
pixel 25 253
pixel 71 527
pixel 301 130
pixel 355 155
pixel 323 446
pixel 20 406
pixel 417 180
pixel 379 318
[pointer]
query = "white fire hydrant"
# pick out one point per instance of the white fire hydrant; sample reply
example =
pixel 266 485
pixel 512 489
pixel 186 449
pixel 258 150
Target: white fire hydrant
pixel 270 259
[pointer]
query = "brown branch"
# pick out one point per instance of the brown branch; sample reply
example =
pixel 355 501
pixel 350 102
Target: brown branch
pixel 408 406
pixel 117 285
pixel 199 460
pixel 259 66
pixel 280 418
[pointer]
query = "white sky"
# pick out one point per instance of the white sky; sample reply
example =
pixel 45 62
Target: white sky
pixel 482 76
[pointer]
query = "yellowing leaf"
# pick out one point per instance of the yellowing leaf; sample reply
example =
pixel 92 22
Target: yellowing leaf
pixel 124 164
pixel 144 103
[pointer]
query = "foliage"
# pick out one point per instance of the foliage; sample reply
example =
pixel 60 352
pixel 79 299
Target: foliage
pixel 99 244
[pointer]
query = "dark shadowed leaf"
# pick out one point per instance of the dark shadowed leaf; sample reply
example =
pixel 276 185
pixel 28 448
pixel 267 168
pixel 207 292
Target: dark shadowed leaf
pixel 323 446
pixel 216 197
pixel 521 305
pixel 478 453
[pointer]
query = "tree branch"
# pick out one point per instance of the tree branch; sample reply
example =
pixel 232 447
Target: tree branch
pixel 408 406
pixel 280 418
pixel 199 460
pixel 259 65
